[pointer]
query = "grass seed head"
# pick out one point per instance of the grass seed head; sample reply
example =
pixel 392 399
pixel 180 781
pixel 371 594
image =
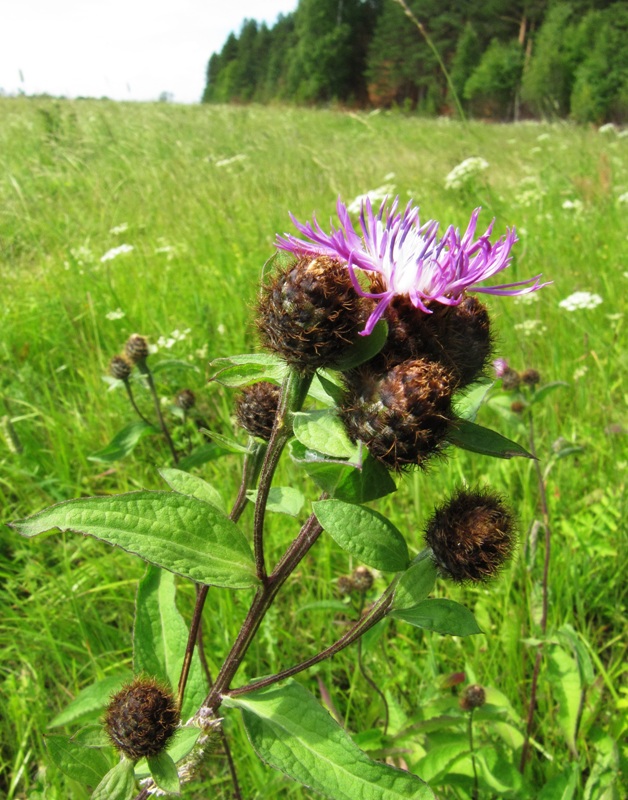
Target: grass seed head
pixel 471 536
pixel 141 719
pixel 310 313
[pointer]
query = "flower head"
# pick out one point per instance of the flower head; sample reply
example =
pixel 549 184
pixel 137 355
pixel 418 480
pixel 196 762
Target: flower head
pixel 404 257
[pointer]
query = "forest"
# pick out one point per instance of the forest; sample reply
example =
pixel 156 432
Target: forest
pixel 490 59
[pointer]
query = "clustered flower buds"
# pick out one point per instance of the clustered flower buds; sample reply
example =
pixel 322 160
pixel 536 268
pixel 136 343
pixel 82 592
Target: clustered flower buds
pixel 473 697
pixel 471 536
pixel 141 719
pixel 256 408
pixel 310 313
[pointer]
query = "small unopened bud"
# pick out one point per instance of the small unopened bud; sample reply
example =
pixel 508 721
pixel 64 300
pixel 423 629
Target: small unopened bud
pixel 473 697
pixel 517 407
pixel 345 585
pixel 185 399
pixel 511 380
pixel 530 377
pixel 362 579
pixel 120 368
pixel 402 418
pixel 136 348
pixel 141 719
pixel 471 536
pixel 256 408
pixel 310 313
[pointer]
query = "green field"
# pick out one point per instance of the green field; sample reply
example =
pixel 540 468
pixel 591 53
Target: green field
pixel 199 193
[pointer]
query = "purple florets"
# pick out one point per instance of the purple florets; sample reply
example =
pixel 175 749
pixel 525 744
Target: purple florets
pixel 403 257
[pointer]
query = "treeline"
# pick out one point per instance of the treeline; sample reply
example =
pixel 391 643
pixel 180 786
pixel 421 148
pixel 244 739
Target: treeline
pixel 506 58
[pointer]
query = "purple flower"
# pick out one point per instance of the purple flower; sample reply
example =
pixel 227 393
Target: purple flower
pixel 403 257
pixel 501 367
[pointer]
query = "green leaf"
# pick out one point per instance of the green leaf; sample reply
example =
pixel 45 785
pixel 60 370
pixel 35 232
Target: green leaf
pixel 363 348
pixel 91 700
pixel 242 370
pixel 415 584
pixel 124 442
pixel 440 615
pixel 477 439
pixel 542 392
pixel 563 786
pixel 364 533
pixel 468 405
pixel 228 444
pixel 184 483
pixel 325 388
pixel 173 531
pixel 164 772
pixel 181 745
pixel 203 454
pixel 324 432
pixel 160 637
pixel 564 676
pixel 293 733
pixel 118 783
pixel 281 500
pixel 84 764
pixel 341 480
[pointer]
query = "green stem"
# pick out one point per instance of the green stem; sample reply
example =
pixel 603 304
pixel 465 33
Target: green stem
pixel 129 392
pixel 471 748
pixel 145 370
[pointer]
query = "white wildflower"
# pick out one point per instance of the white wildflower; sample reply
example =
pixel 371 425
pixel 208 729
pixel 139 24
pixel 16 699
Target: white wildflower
pixel 226 162
pixel 580 372
pixel 579 300
pixel 609 127
pixel 543 137
pixel 530 327
pixel 623 198
pixel 117 314
pixel 573 205
pixel 117 251
pixel 376 196
pixel 120 228
pixel 221 329
pixel 527 299
pixel 464 172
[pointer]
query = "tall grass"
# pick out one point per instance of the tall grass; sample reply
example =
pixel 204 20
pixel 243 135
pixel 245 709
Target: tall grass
pixel 202 192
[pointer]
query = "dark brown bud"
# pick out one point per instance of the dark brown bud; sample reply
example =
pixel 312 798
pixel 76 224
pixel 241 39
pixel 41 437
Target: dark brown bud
pixel 120 368
pixel 256 408
pixel 136 348
pixel 511 380
pixel 473 697
pixel 457 337
pixel 362 579
pixel 471 536
pixel 530 377
pixel 517 407
pixel 185 399
pixel 141 719
pixel 344 585
pixel 402 418
pixel 310 313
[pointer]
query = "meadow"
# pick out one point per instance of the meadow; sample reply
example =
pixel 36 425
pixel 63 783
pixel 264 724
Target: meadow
pixel 158 219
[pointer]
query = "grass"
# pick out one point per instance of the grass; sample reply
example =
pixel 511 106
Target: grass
pixel 201 231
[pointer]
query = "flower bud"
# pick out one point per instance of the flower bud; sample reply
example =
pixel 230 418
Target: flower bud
pixel 402 418
pixel 345 585
pixel 256 408
pixel 473 697
pixel 136 348
pixel 185 399
pixel 511 380
pixel 530 377
pixel 362 579
pixel 120 368
pixel 141 719
pixel 310 313
pixel 457 337
pixel 517 407
pixel 471 536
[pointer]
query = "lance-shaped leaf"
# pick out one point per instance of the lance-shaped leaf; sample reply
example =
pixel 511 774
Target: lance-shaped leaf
pixel 124 442
pixel 91 701
pixel 363 349
pixel 160 637
pixel 242 370
pixel 293 733
pixel 470 436
pixel 164 772
pixel 364 533
pixel 184 483
pixel 324 432
pixel 468 405
pixel 415 583
pixel 173 531
pixel 440 615
pixel 84 764
pixel 118 783
pixel 281 500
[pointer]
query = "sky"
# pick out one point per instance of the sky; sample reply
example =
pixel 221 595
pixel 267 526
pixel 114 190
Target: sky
pixel 122 49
